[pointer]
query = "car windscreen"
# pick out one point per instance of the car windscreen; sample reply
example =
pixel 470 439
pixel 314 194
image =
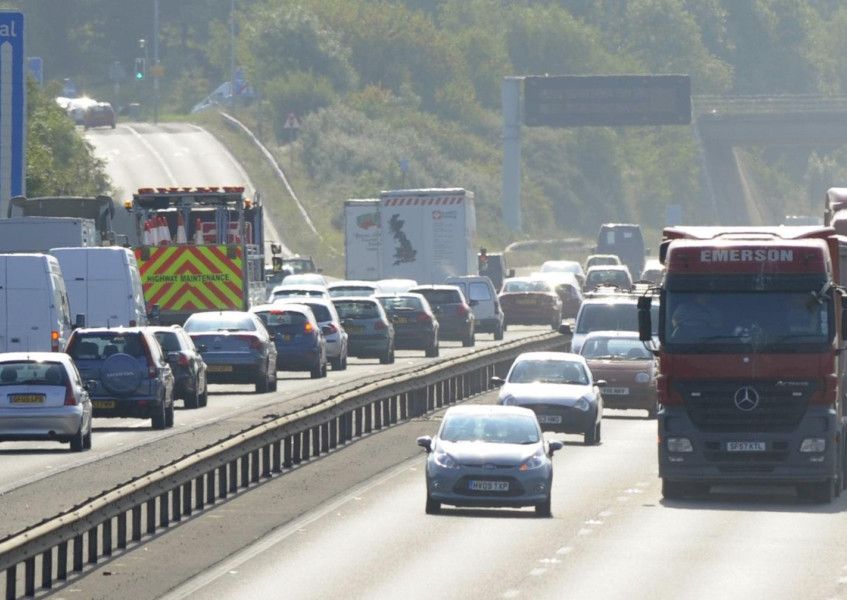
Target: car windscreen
pixel 102 345
pixel 611 277
pixel 353 290
pixel 436 297
pixel 351 309
pixel 277 318
pixel 292 293
pixel 497 429
pixel 320 311
pixel 221 324
pixel 549 371
pixel 32 373
pixel 168 340
pixel 615 348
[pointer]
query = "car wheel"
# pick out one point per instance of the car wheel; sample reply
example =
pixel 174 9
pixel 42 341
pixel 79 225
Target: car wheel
pixel 86 443
pixel 273 385
pixel 557 320
pixel 432 506
pixel 498 333
pixel 543 509
pixel 263 383
pixel 388 357
pixel 159 420
pixel 204 398
pixel 469 339
pixel 317 371
pixel 432 351
pixel 169 416
pixel 335 363
pixel 592 438
pixel 192 399
pixel 653 411
pixel 78 441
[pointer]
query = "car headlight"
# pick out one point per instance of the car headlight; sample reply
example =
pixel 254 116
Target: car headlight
pixel 507 399
pixel 642 377
pixel 536 461
pixel 442 459
pixel 582 404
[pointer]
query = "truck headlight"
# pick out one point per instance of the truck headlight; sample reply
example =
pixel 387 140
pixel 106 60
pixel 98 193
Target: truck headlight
pixel 680 445
pixel 813 445
pixel 642 377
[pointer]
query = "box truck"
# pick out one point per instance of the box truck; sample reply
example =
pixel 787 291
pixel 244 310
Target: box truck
pixel 427 234
pixel 361 239
pixel 39 234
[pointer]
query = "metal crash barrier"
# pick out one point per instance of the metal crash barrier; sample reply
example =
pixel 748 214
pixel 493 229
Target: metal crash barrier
pixel 70 543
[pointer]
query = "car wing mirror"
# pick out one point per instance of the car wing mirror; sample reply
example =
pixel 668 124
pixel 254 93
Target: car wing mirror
pixel 565 329
pixel 600 383
pixel 554 446
pixel 425 442
pixel 497 381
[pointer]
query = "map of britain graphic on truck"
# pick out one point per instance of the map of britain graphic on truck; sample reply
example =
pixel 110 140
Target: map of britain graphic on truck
pixel 403 252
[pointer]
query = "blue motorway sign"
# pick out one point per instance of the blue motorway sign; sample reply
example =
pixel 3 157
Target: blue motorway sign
pixel 35 66
pixel 12 108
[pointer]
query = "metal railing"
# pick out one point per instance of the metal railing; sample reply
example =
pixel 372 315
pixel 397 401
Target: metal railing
pixel 68 544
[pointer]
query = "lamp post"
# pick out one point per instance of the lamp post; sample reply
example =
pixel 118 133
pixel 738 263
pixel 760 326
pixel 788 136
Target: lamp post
pixel 232 52
pixel 155 61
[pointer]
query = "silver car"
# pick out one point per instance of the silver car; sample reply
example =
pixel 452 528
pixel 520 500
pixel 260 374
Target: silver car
pixel 560 390
pixel 42 397
pixel 487 455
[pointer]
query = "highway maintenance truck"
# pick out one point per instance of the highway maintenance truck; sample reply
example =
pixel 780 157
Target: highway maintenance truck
pixel 751 359
pixel 201 249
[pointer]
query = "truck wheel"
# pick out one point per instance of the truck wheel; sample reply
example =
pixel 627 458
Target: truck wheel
pixel 820 492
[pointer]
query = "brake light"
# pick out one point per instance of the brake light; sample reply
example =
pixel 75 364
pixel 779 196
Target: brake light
pixel 380 325
pixel 54 341
pixel 252 341
pixel 329 329
pixel 462 310
pixel 70 399
pixel 133 323
pixel 308 328
pixel 183 360
pixel 152 373
pixel 424 318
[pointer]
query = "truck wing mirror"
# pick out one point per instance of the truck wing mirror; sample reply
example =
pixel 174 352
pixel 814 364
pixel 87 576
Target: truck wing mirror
pixel 79 321
pixel 276 249
pixel 645 328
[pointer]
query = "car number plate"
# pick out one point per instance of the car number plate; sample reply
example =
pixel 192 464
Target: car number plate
pixel 219 368
pixel 354 329
pixel 488 486
pixel 526 300
pixel 746 446
pixel 103 403
pixel 401 320
pixel 26 398
pixel 287 337
pixel 550 419
pixel 616 391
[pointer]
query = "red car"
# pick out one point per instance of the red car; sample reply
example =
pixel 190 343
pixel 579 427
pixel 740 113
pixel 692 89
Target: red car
pixel 530 301
pixel 99 115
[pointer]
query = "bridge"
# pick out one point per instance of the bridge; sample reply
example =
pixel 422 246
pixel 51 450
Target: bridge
pixel 725 123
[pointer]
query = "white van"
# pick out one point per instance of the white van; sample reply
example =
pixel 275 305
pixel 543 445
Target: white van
pixel 34 311
pixel 104 285
pixel 482 297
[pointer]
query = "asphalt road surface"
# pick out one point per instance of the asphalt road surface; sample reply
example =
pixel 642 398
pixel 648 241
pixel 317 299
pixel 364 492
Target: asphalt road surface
pixel 352 525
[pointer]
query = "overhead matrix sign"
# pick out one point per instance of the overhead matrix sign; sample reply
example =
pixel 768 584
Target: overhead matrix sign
pixel 607 100
pixel 12 108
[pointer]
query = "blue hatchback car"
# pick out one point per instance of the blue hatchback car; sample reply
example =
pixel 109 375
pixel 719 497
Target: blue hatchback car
pixel 300 344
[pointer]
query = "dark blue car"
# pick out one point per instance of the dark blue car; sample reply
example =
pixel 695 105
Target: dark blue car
pixel 300 344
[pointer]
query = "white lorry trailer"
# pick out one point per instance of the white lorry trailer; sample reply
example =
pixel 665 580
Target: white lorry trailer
pixel 39 234
pixel 362 239
pixel 427 234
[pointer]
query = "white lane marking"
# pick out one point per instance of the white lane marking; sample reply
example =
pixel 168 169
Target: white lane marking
pixel 155 154
pixel 593 522
pixel 632 491
pixel 266 543
pixel 511 593
pixel 549 561
pixel 537 572
pixel 585 531
pixel 564 550
pixel 606 514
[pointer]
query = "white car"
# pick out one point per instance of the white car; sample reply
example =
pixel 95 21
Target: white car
pixel 559 388
pixel 42 397
pixel 285 292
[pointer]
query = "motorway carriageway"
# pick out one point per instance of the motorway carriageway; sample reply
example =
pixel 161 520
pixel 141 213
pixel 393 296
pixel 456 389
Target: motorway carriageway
pixel 32 472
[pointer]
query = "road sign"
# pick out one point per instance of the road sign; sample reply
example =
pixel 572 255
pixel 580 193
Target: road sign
pixel 291 122
pixel 12 108
pixel 35 66
pixel 607 100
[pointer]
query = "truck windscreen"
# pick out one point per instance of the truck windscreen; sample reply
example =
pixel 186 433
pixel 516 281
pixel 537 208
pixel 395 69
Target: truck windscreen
pixel 776 321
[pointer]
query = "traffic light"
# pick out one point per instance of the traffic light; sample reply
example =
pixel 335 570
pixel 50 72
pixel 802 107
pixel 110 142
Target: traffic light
pixel 140 68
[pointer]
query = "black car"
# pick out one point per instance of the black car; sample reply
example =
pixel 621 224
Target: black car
pixel 186 363
pixel 415 326
pixel 455 317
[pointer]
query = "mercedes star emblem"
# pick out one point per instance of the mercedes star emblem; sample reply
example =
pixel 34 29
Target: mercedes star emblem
pixel 746 398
